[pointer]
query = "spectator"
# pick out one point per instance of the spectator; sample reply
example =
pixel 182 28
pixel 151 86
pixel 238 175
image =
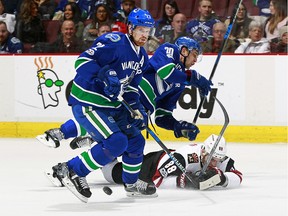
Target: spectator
pixel 9 19
pixel 178 24
pixel 277 19
pixel 88 6
pixel 256 44
pixel 29 28
pixel 59 11
pixel 280 46
pixel 12 6
pixel 67 42
pixel 8 43
pixel 200 28
pixel 213 44
pixel 126 7
pixel 72 12
pixel 102 29
pixel 46 8
pixel 170 8
pixel 240 29
pixel 263 6
pixel 101 15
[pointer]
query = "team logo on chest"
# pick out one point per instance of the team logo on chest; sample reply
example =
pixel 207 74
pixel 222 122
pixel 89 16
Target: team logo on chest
pixel 192 158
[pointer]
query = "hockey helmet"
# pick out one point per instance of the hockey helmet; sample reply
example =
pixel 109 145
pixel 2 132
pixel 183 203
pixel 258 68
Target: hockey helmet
pixel 221 149
pixel 140 17
pixel 189 43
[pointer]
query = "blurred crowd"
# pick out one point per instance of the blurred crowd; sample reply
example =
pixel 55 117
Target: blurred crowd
pixel 71 26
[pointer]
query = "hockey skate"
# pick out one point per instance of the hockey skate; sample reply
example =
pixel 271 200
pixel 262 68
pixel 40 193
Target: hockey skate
pixel 62 176
pixel 57 174
pixel 80 142
pixel 140 189
pixel 51 138
pixel 77 185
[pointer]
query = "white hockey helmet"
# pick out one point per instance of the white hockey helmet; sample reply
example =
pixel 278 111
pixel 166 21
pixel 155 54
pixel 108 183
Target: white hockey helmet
pixel 221 149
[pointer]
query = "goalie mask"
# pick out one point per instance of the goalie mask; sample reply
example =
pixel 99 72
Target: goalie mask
pixel 221 149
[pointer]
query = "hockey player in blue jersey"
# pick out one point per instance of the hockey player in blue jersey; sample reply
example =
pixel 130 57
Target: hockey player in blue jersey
pixel 157 93
pixel 112 59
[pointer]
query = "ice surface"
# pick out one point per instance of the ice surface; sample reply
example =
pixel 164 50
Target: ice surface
pixel 26 191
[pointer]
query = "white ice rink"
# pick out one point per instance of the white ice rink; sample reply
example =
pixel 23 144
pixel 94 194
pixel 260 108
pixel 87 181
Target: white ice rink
pixel 25 191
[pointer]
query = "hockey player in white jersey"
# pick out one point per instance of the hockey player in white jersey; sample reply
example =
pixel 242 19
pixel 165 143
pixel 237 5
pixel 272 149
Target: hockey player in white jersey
pixel 160 170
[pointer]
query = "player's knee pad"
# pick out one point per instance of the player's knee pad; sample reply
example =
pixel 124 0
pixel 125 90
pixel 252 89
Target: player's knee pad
pixel 116 144
pixel 136 145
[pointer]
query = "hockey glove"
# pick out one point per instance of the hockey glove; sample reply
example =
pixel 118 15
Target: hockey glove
pixel 183 181
pixel 198 181
pixel 185 129
pixel 223 178
pixel 140 120
pixel 200 82
pixel 111 81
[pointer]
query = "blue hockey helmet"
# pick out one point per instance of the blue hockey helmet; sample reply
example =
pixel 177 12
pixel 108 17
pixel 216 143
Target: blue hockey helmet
pixel 140 17
pixel 189 43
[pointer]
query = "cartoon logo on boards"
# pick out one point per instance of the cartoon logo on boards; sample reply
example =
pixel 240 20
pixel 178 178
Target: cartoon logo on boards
pixel 49 83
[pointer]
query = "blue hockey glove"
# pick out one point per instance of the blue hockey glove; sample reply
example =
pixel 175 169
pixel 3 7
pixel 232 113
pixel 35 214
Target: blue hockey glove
pixel 140 120
pixel 200 82
pixel 185 129
pixel 111 81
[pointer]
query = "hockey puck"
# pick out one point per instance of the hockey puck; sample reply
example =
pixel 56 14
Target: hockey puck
pixel 107 190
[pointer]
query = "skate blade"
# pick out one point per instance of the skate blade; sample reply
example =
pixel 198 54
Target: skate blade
pixel 68 184
pixel 211 182
pixel 139 195
pixel 54 180
pixel 42 139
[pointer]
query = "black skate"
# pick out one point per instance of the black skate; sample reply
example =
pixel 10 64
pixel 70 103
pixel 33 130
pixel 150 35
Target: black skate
pixel 140 189
pixel 77 185
pixel 59 171
pixel 51 138
pixel 80 142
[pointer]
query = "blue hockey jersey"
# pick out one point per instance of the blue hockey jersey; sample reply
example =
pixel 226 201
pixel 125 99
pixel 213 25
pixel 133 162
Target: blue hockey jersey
pixel 117 51
pixel 164 80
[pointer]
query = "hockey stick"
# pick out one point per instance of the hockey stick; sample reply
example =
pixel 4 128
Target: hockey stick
pixel 227 34
pixel 156 138
pixel 226 122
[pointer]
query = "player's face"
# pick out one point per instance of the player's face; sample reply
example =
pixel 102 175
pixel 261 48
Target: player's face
pixel 191 59
pixel 213 162
pixel 140 35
